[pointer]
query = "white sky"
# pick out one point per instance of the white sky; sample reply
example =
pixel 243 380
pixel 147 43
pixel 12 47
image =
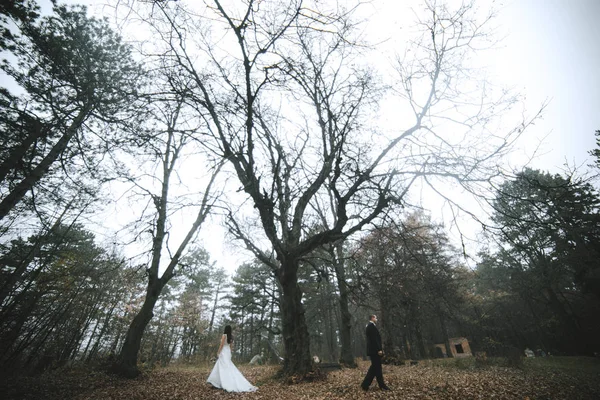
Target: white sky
pixel 551 51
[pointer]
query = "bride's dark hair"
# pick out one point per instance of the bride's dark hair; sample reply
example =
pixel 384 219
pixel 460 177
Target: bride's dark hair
pixel 228 333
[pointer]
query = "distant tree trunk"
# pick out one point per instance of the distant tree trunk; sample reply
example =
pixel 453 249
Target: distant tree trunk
pixel 270 331
pixel 570 322
pixel 174 341
pixel 214 310
pixel 385 321
pixel 9 338
pixel 242 342
pixel 115 344
pixel 35 250
pixel 49 329
pixel 103 330
pixel 84 355
pixel 346 356
pixel 406 345
pixel 157 350
pixel 251 335
pixel 541 337
pixel 71 350
pixel 420 342
pixel 445 333
pixel 332 340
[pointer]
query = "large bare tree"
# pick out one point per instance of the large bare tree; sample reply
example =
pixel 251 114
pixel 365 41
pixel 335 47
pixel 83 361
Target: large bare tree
pixel 159 149
pixel 291 101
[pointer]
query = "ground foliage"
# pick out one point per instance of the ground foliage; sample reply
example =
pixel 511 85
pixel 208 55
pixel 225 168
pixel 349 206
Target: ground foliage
pixel 554 378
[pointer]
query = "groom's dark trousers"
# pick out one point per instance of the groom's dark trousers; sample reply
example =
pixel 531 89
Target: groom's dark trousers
pixel 373 349
pixel 374 371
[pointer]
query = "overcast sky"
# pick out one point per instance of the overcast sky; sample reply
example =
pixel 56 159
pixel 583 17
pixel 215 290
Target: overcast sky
pixel 553 51
pixel 550 51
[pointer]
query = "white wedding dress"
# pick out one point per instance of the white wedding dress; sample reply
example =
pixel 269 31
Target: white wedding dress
pixel 226 376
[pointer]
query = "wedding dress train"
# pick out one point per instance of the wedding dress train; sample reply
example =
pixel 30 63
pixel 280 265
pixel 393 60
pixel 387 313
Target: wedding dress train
pixel 226 376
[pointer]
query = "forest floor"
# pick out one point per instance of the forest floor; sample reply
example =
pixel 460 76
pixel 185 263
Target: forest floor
pixel 539 378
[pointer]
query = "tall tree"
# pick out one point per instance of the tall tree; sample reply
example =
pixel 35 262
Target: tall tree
pixel 253 302
pixel 163 142
pixel 70 74
pixel 50 310
pixel 290 100
pixel 410 269
pixel 549 230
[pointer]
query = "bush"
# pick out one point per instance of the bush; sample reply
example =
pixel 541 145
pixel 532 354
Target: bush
pixel 513 357
pixel 463 363
pixel 481 359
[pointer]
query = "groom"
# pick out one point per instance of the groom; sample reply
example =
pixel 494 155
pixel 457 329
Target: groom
pixel 374 351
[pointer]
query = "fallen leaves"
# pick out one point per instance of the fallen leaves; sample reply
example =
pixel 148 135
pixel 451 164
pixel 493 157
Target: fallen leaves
pixel 424 381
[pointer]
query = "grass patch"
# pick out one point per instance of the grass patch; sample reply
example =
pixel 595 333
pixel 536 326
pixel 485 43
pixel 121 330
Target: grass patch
pixel 589 365
pixel 563 364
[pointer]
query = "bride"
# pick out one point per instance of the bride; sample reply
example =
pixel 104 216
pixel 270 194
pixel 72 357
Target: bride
pixel 225 375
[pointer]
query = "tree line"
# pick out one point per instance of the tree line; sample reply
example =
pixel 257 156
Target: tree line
pixel 274 131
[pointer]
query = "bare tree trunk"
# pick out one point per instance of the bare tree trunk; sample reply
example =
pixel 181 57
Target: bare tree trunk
pixel 420 342
pixel 346 356
pixel 35 250
pixel 570 321
pixel 126 364
pixel 127 360
pixel 445 333
pixel 406 345
pixel 251 335
pixel 214 310
pixel 105 325
pixel 296 338
pixel 385 320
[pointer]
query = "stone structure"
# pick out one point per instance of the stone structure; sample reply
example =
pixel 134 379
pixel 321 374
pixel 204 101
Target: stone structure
pixel 459 347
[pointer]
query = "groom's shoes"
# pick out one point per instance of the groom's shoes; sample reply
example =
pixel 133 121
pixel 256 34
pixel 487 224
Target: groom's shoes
pixel 364 388
pixel 385 388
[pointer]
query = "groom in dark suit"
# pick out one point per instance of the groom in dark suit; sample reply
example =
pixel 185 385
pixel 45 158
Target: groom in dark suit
pixel 374 351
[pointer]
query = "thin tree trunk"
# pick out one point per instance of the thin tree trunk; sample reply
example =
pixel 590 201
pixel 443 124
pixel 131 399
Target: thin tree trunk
pixel 420 341
pixel 251 334
pixel 214 310
pixel 346 356
pixel 51 329
pixel 445 334
pixel 105 324
pixel 331 325
pixel 35 250
pixel 90 340
pixel 406 345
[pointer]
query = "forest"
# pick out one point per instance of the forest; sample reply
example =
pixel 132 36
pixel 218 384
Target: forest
pixel 125 142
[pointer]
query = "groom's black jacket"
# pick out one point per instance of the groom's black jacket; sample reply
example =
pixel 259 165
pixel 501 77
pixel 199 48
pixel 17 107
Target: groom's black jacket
pixel 373 340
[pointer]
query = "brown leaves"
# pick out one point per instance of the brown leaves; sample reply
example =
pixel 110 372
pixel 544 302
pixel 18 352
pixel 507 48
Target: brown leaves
pixel 424 381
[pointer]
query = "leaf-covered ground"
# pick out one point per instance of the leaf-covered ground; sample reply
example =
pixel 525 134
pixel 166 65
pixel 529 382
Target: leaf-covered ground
pixel 555 378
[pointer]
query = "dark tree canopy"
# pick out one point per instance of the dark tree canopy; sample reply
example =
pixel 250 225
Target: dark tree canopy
pixel 71 75
pixel 550 224
pixel 596 152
